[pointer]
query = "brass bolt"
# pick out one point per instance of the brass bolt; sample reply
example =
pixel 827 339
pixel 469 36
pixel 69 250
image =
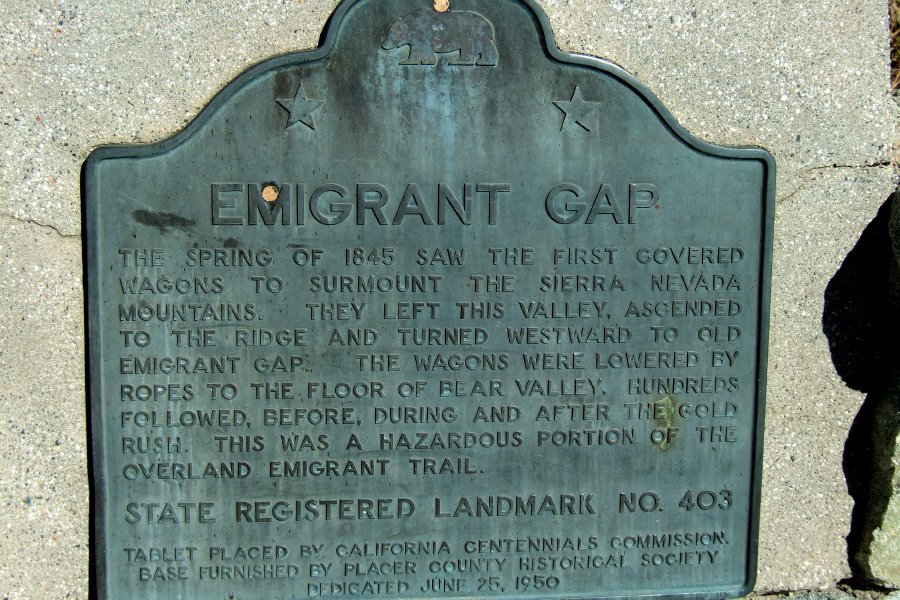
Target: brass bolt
pixel 270 193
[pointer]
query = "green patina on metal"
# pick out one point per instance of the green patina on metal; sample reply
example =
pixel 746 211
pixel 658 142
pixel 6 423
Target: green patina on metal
pixel 434 310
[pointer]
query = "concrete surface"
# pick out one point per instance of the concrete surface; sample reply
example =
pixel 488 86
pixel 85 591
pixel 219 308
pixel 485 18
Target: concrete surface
pixel 806 80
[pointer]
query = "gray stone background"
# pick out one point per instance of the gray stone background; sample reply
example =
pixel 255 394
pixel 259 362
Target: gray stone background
pixel 809 81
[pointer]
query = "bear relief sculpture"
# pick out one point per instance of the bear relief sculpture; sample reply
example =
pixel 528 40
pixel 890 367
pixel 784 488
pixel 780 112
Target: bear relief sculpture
pixel 428 31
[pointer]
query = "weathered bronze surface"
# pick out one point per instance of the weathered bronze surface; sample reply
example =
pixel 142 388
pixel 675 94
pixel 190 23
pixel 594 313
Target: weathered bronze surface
pixel 435 310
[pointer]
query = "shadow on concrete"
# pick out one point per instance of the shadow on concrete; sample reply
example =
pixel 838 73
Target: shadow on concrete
pixel 858 320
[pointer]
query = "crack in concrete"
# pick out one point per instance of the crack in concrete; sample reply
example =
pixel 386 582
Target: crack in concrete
pixel 30 221
pixel 874 165
pixel 806 173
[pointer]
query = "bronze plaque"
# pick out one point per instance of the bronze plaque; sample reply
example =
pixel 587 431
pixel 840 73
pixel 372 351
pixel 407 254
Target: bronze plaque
pixel 434 310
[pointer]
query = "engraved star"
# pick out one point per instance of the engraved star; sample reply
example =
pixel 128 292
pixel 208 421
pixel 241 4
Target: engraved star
pixel 576 110
pixel 300 108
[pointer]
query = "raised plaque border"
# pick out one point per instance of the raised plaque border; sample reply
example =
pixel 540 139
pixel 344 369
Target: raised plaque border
pixel 91 209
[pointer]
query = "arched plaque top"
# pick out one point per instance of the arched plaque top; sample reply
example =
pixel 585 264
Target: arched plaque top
pixel 417 35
